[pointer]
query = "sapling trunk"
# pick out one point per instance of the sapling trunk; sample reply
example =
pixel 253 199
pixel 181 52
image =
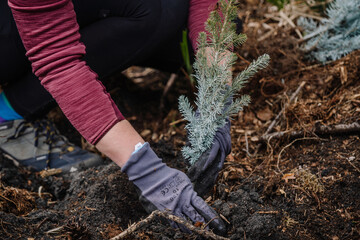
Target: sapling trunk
pixel 212 73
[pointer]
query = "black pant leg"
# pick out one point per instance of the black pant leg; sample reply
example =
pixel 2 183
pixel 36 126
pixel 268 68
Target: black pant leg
pixel 13 62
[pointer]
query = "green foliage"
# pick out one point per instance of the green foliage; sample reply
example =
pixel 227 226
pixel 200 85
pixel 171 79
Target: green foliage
pixel 336 35
pixel 212 72
pixel 184 46
pixel 279 3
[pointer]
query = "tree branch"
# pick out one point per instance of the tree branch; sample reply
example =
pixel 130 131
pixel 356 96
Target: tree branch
pixel 320 129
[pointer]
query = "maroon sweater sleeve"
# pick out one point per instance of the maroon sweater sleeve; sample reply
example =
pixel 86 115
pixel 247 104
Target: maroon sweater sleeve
pixel 198 15
pixel 50 34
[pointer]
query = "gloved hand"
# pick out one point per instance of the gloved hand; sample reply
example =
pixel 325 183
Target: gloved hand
pixel 162 187
pixel 204 172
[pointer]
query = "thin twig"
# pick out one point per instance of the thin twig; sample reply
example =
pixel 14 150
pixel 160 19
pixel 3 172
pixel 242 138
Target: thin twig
pixel 55 230
pixel 356 168
pixel 242 58
pixel 39 191
pixel 247 145
pixel 169 84
pixel 278 135
pixel 41 223
pixel 291 23
pixel 224 218
pixel 176 122
pixel 157 213
pixel 207 224
pixel 318 130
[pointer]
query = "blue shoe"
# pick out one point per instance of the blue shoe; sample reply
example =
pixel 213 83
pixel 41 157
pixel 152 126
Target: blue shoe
pixel 39 145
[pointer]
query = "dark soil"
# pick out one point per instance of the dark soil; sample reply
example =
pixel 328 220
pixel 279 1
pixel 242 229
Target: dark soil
pixel 286 188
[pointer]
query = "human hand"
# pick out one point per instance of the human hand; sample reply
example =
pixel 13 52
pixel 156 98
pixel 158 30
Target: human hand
pixel 204 172
pixel 165 188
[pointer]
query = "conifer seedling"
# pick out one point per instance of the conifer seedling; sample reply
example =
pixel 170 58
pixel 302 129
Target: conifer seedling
pixel 214 97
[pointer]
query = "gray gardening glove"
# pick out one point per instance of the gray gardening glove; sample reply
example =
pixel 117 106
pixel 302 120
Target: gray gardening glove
pixel 162 187
pixel 204 172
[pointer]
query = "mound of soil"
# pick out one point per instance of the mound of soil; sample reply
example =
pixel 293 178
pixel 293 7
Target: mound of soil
pixel 99 203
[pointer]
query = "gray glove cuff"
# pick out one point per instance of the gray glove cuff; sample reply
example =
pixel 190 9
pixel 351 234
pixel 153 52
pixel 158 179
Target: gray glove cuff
pixel 136 169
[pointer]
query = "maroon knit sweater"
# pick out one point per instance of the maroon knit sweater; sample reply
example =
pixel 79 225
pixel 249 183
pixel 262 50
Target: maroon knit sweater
pixel 50 33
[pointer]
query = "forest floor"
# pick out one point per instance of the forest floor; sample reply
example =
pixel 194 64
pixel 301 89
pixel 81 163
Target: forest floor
pixel 301 182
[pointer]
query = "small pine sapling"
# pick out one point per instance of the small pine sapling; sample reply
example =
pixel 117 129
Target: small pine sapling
pixel 212 72
pixel 336 35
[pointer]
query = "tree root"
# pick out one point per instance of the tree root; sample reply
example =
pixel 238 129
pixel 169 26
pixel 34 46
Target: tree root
pixel 165 214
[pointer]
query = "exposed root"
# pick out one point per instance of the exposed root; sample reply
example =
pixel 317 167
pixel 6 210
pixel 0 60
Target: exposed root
pixel 205 233
pixel 17 201
pixel 289 145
